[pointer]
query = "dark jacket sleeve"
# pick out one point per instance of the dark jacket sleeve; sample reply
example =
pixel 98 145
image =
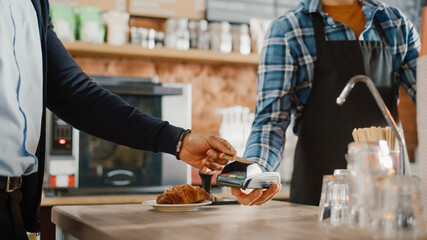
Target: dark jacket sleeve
pixel 79 101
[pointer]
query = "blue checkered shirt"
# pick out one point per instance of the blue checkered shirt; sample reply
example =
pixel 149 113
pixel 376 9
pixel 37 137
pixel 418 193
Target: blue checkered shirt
pixel 286 69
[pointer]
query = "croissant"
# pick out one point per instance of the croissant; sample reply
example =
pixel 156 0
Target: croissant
pixel 183 194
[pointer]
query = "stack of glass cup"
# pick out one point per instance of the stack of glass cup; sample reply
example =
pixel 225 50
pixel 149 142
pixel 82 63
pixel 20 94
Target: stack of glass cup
pixel 368 195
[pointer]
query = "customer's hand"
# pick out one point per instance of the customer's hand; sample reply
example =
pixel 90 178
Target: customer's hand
pixel 202 151
pixel 257 196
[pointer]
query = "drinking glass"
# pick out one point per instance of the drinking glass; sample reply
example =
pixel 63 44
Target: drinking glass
pixel 399 215
pixel 365 164
pixel 324 215
pixel 333 206
pixel 340 198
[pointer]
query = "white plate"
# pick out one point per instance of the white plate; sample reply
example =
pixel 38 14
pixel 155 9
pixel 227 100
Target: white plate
pixel 176 207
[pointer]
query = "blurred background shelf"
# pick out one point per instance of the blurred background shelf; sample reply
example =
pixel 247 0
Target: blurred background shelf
pixel 129 51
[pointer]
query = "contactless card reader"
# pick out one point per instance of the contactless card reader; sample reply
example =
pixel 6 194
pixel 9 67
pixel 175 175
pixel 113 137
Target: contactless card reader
pixel 246 176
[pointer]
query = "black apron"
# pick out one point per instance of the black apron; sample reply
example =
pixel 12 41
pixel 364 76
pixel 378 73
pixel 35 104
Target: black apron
pixel 324 129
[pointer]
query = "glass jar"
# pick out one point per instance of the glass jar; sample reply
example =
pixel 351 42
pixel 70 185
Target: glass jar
pixel 151 38
pixel 366 174
pixel 193 30
pixel 226 39
pixel 182 35
pixel 144 36
pixel 203 37
pixel 159 39
pixel 220 36
pixel 170 34
pixel 135 37
pixel 241 39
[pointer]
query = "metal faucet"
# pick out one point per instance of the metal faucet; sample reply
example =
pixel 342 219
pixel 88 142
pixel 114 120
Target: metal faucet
pixel 403 156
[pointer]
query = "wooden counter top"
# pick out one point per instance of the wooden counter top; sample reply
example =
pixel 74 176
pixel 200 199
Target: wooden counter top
pixel 273 220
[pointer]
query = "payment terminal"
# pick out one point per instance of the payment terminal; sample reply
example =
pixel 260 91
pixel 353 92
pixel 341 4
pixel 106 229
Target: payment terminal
pixel 246 176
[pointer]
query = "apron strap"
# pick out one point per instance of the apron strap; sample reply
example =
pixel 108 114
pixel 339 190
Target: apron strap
pixel 319 30
pixel 381 31
pixel 319 27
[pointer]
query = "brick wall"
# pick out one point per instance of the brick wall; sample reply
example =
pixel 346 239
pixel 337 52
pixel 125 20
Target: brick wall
pixel 408 117
pixel 216 86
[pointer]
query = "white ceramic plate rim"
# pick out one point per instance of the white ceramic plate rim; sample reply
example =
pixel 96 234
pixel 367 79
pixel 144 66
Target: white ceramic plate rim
pixel 154 204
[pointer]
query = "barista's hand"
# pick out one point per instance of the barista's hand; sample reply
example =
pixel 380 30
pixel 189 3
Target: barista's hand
pixel 257 196
pixel 202 152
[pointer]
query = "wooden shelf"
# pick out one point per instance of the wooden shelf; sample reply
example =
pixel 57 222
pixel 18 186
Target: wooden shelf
pixel 129 51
